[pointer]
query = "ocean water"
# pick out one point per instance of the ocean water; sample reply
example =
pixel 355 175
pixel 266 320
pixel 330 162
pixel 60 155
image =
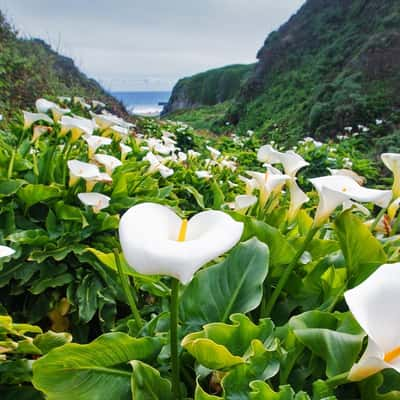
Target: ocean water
pixel 143 103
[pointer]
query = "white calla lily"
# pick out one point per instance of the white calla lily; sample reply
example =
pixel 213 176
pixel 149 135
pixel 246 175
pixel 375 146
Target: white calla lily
pixel 374 305
pixel 392 161
pixel 291 161
pixel 156 165
pixel 94 142
pixel 6 251
pixel 203 174
pixel 78 126
pixel 297 199
pixel 348 172
pixel 43 106
pixel 125 150
pixel 109 162
pixel 244 201
pixel 79 169
pixel 155 240
pixel 335 190
pixel 96 200
pixel 214 152
pixel 30 118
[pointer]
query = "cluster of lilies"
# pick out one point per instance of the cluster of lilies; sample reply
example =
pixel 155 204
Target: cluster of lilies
pixel 155 240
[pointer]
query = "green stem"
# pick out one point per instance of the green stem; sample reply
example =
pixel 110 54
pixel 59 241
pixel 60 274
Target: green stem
pixel 11 165
pixel 288 271
pixel 127 291
pixel 338 296
pixel 377 219
pixel 337 380
pixel 174 339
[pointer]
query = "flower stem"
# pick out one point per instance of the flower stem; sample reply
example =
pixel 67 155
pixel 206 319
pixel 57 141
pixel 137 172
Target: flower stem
pixel 337 380
pixel 127 291
pixel 174 339
pixel 288 271
pixel 11 164
pixel 377 219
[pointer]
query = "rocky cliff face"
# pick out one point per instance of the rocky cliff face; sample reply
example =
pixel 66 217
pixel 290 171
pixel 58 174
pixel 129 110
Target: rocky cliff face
pixel 29 69
pixel 207 88
pixel 334 63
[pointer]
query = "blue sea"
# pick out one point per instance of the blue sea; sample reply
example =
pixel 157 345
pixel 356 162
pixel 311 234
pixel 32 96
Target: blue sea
pixel 143 103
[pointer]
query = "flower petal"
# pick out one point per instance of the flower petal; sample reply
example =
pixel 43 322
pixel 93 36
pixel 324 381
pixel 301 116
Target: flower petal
pixel 374 303
pixel 149 233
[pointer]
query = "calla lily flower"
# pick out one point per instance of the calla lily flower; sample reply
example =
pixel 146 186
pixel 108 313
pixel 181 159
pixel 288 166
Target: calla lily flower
pixel 39 131
pixel 374 304
pixel 155 240
pixel 43 106
pixel 97 103
pixel 291 161
pixel 297 199
pixel 30 118
pixel 79 169
pixel 125 150
pixel 77 126
pixel 348 172
pixel 203 174
pixel 214 152
pixel 392 161
pixel 119 131
pixel 94 142
pixel 96 200
pixel 193 154
pixel 268 182
pixel 6 251
pixel 243 202
pixel 251 184
pixel 157 166
pixel 335 190
pixel 109 162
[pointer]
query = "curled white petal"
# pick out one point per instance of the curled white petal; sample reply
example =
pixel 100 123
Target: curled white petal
pixel 6 251
pixel 149 233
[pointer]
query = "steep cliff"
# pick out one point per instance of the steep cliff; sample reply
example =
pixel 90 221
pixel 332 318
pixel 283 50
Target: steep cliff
pixel 29 69
pixel 207 88
pixel 333 64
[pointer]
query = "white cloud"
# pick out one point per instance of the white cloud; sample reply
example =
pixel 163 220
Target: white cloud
pixel 150 44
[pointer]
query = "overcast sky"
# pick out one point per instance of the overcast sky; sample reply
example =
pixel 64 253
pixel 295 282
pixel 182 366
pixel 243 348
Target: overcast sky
pixel 150 44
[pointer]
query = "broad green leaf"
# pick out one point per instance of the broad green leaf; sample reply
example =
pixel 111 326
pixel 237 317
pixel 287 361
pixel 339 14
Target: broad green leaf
pixel 34 237
pixel 262 391
pixel 218 195
pixel 50 340
pixel 281 251
pixel 233 286
pixel 195 193
pixel 14 372
pixel 359 246
pixel 382 386
pixel 9 187
pixel 220 346
pixel 261 364
pixel 32 194
pixel 147 384
pixel 98 370
pixel 336 338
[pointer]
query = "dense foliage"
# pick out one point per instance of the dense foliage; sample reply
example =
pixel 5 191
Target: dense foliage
pixel 29 68
pixel 240 337
pixel 334 64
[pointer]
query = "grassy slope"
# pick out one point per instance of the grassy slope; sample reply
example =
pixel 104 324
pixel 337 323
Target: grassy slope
pixel 208 88
pixel 331 65
pixel 29 69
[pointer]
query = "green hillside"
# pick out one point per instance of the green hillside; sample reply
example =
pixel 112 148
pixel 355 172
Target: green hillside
pixel 29 69
pixel 208 88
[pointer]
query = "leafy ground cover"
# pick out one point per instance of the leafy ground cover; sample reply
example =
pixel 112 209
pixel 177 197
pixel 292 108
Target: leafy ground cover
pixel 293 281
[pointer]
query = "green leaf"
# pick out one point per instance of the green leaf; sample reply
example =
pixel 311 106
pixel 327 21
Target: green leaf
pixel 32 194
pixel 197 196
pixel 220 346
pixel 359 246
pixel 261 391
pixel 233 286
pixel 336 338
pixel 34 237
pixel 382 386
pixel 9 187
pixel 92 371
pixel 147 384
pixel 282 252
pixel 50 340
pixel 86 295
